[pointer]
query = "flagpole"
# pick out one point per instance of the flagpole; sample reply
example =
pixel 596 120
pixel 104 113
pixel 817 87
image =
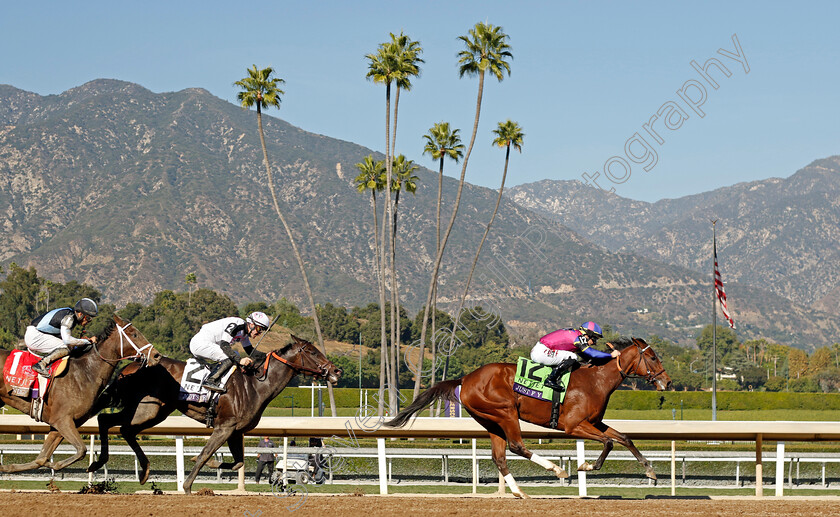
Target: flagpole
pixel 714 324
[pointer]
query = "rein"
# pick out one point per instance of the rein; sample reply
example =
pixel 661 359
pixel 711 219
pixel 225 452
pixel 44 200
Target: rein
pixel 293 366
pixel 650 377
pixel 124 337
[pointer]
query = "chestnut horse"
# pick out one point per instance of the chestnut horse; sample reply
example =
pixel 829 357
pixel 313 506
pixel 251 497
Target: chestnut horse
pixel 73 396
pixel 147 396
pixel 487 395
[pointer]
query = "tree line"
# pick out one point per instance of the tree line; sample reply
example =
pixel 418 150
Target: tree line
pixel 172 318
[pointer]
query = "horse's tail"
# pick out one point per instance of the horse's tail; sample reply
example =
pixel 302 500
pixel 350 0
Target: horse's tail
pixel 442 390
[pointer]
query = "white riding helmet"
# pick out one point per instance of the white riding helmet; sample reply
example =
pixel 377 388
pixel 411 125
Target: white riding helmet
pixel 259 319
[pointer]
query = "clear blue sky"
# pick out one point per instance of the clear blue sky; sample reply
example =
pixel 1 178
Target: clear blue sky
pixel 585 76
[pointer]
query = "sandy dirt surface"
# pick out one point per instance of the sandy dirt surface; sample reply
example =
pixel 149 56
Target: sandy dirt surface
pixel 28 504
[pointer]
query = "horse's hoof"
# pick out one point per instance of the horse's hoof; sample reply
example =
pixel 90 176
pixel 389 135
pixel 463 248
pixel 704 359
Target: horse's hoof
pixel 561 474
pixel 586 467
pixel 145 477
pixel 237 466
pixel 94 466
pixel 651 474
pixel 211 463
pixel 521 495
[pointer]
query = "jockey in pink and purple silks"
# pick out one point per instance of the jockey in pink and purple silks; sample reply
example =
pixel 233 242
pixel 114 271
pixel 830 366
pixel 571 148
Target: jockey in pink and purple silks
pixel 560 349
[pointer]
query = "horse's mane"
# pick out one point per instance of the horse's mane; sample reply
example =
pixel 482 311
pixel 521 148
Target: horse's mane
pixel 286 349
pixel 622 343
pixel 106 332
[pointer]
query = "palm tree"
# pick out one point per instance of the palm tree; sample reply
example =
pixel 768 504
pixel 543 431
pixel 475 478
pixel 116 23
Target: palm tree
pixel 486 51
pixel 262 90
pixel 406 53
pixel 404 179
pixel 394 62
pixel 507 134
pixel 441 143
pixel 382 69
pixel 372 177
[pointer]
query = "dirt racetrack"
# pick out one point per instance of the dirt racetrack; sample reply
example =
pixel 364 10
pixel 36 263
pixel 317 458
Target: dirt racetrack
pixel 31 504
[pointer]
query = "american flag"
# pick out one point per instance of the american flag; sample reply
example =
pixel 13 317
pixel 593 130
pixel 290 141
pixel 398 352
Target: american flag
pixel 721 294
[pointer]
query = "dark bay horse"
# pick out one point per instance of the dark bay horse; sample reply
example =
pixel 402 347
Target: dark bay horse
pixel 487 395
pixel 149 395
pixel 73 396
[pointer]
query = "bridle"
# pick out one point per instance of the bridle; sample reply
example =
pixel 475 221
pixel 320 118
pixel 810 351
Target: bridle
pixel 649 376
pixel 125 338
pixel 320 371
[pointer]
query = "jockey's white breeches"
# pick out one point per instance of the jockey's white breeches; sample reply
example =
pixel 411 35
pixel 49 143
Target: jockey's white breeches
pixel 40 343
pixel 544 355
pixel 203 346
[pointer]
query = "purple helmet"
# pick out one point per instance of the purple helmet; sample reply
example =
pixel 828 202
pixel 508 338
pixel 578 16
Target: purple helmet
pixel 592 328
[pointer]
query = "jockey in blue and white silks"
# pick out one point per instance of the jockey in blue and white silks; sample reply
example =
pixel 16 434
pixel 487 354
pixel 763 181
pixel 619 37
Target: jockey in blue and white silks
pixel 49 335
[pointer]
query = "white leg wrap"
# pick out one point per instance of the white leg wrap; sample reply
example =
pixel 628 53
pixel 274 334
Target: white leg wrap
pixel 542 462
pixel 511 483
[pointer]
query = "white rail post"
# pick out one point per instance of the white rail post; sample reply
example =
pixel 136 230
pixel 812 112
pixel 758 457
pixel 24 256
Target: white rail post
pixel 474 467
pixel 780 469
pixel 581 459
pixel 90 474
pixel 285 459
pixel 179 462
pixel 759 482
pixel 383 466
pixel 673 467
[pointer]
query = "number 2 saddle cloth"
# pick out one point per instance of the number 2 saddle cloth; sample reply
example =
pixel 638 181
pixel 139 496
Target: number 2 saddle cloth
pixel 530 379
pixel 192 383
pixel 21 379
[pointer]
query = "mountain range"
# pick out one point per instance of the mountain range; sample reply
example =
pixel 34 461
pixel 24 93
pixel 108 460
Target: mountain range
pixel 129 190
pixel 778 234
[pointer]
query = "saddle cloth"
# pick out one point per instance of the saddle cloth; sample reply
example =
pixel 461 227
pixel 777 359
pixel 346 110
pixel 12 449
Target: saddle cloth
pixel 18 374
pixel 192 382
pixel 530 380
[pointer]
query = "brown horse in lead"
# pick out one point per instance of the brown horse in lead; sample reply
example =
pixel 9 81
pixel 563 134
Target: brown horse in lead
pixel 74 397
pixel 147 396
pixel 487 395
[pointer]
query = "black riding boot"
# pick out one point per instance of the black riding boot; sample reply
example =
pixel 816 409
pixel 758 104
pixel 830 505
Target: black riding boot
pixel 213 381
pixel 553 379
pixel 43 366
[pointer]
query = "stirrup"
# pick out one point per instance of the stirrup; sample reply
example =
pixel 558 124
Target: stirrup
pixel 215 387
pixel 42 370
pixel 554 386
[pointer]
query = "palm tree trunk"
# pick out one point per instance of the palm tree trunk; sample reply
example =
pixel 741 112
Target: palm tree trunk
pixel 435 410
pixel 395 297
pixel 386 217
pixel 297 254
pixel 436 266
pixel 379 280
pixel 478 251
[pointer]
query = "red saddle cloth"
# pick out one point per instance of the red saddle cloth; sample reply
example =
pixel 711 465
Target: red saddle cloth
pixel 18 374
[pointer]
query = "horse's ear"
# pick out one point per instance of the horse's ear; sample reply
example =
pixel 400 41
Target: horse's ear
pixel 118 319
pixel 296 339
